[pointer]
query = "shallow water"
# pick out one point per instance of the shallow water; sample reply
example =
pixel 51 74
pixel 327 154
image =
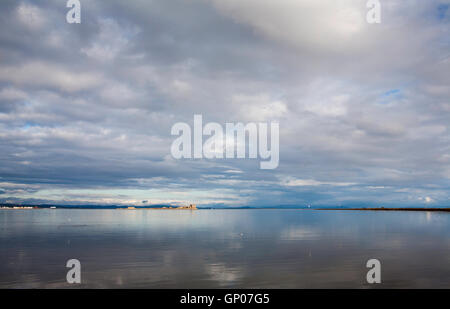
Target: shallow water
pixel 223 248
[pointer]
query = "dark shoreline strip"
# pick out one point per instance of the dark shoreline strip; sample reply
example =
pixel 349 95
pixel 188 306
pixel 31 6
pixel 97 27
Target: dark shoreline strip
pixel 391 209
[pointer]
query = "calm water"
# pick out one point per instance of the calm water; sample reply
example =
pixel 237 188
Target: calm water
pixel 223 248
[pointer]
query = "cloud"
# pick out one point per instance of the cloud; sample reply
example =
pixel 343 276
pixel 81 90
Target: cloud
pixel 12 94
pixel 112 39
pixel 32 74
pixel 307 24
pixel 310 182
pixel 426 199
pixel 259 107
pixel 31 16
pixel 86 110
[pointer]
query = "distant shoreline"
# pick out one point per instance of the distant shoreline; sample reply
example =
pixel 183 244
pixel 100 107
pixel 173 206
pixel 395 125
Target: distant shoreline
pixel 391 209
pixel 194 207
pixel 165 207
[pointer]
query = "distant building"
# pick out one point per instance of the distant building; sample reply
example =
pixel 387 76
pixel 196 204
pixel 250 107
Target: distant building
pixel 191 207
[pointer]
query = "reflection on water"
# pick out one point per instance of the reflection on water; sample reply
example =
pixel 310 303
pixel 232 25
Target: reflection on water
pixel 223 248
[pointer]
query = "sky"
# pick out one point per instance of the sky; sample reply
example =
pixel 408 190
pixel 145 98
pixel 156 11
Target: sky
pixel 86 109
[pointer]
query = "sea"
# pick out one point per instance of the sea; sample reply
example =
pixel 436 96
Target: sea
pixel 224 248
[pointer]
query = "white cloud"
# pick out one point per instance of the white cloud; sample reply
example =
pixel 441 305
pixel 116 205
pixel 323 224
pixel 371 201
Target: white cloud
pixel 311 24
pixel 110 42
pixel 294 182
pixel 31 16
pixel 44 74
pixel 259 107
pixel 426 199
pixel 12 94
pixel 333 106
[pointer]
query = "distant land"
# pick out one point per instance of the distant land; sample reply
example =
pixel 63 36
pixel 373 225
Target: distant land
pixel 393 209
pixel 49 206
pixel 194 207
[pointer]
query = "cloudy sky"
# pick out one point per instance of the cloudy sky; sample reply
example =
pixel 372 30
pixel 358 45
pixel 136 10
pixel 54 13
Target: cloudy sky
pixel 86 109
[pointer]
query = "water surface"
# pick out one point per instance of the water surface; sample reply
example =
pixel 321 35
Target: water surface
pixel 223 248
